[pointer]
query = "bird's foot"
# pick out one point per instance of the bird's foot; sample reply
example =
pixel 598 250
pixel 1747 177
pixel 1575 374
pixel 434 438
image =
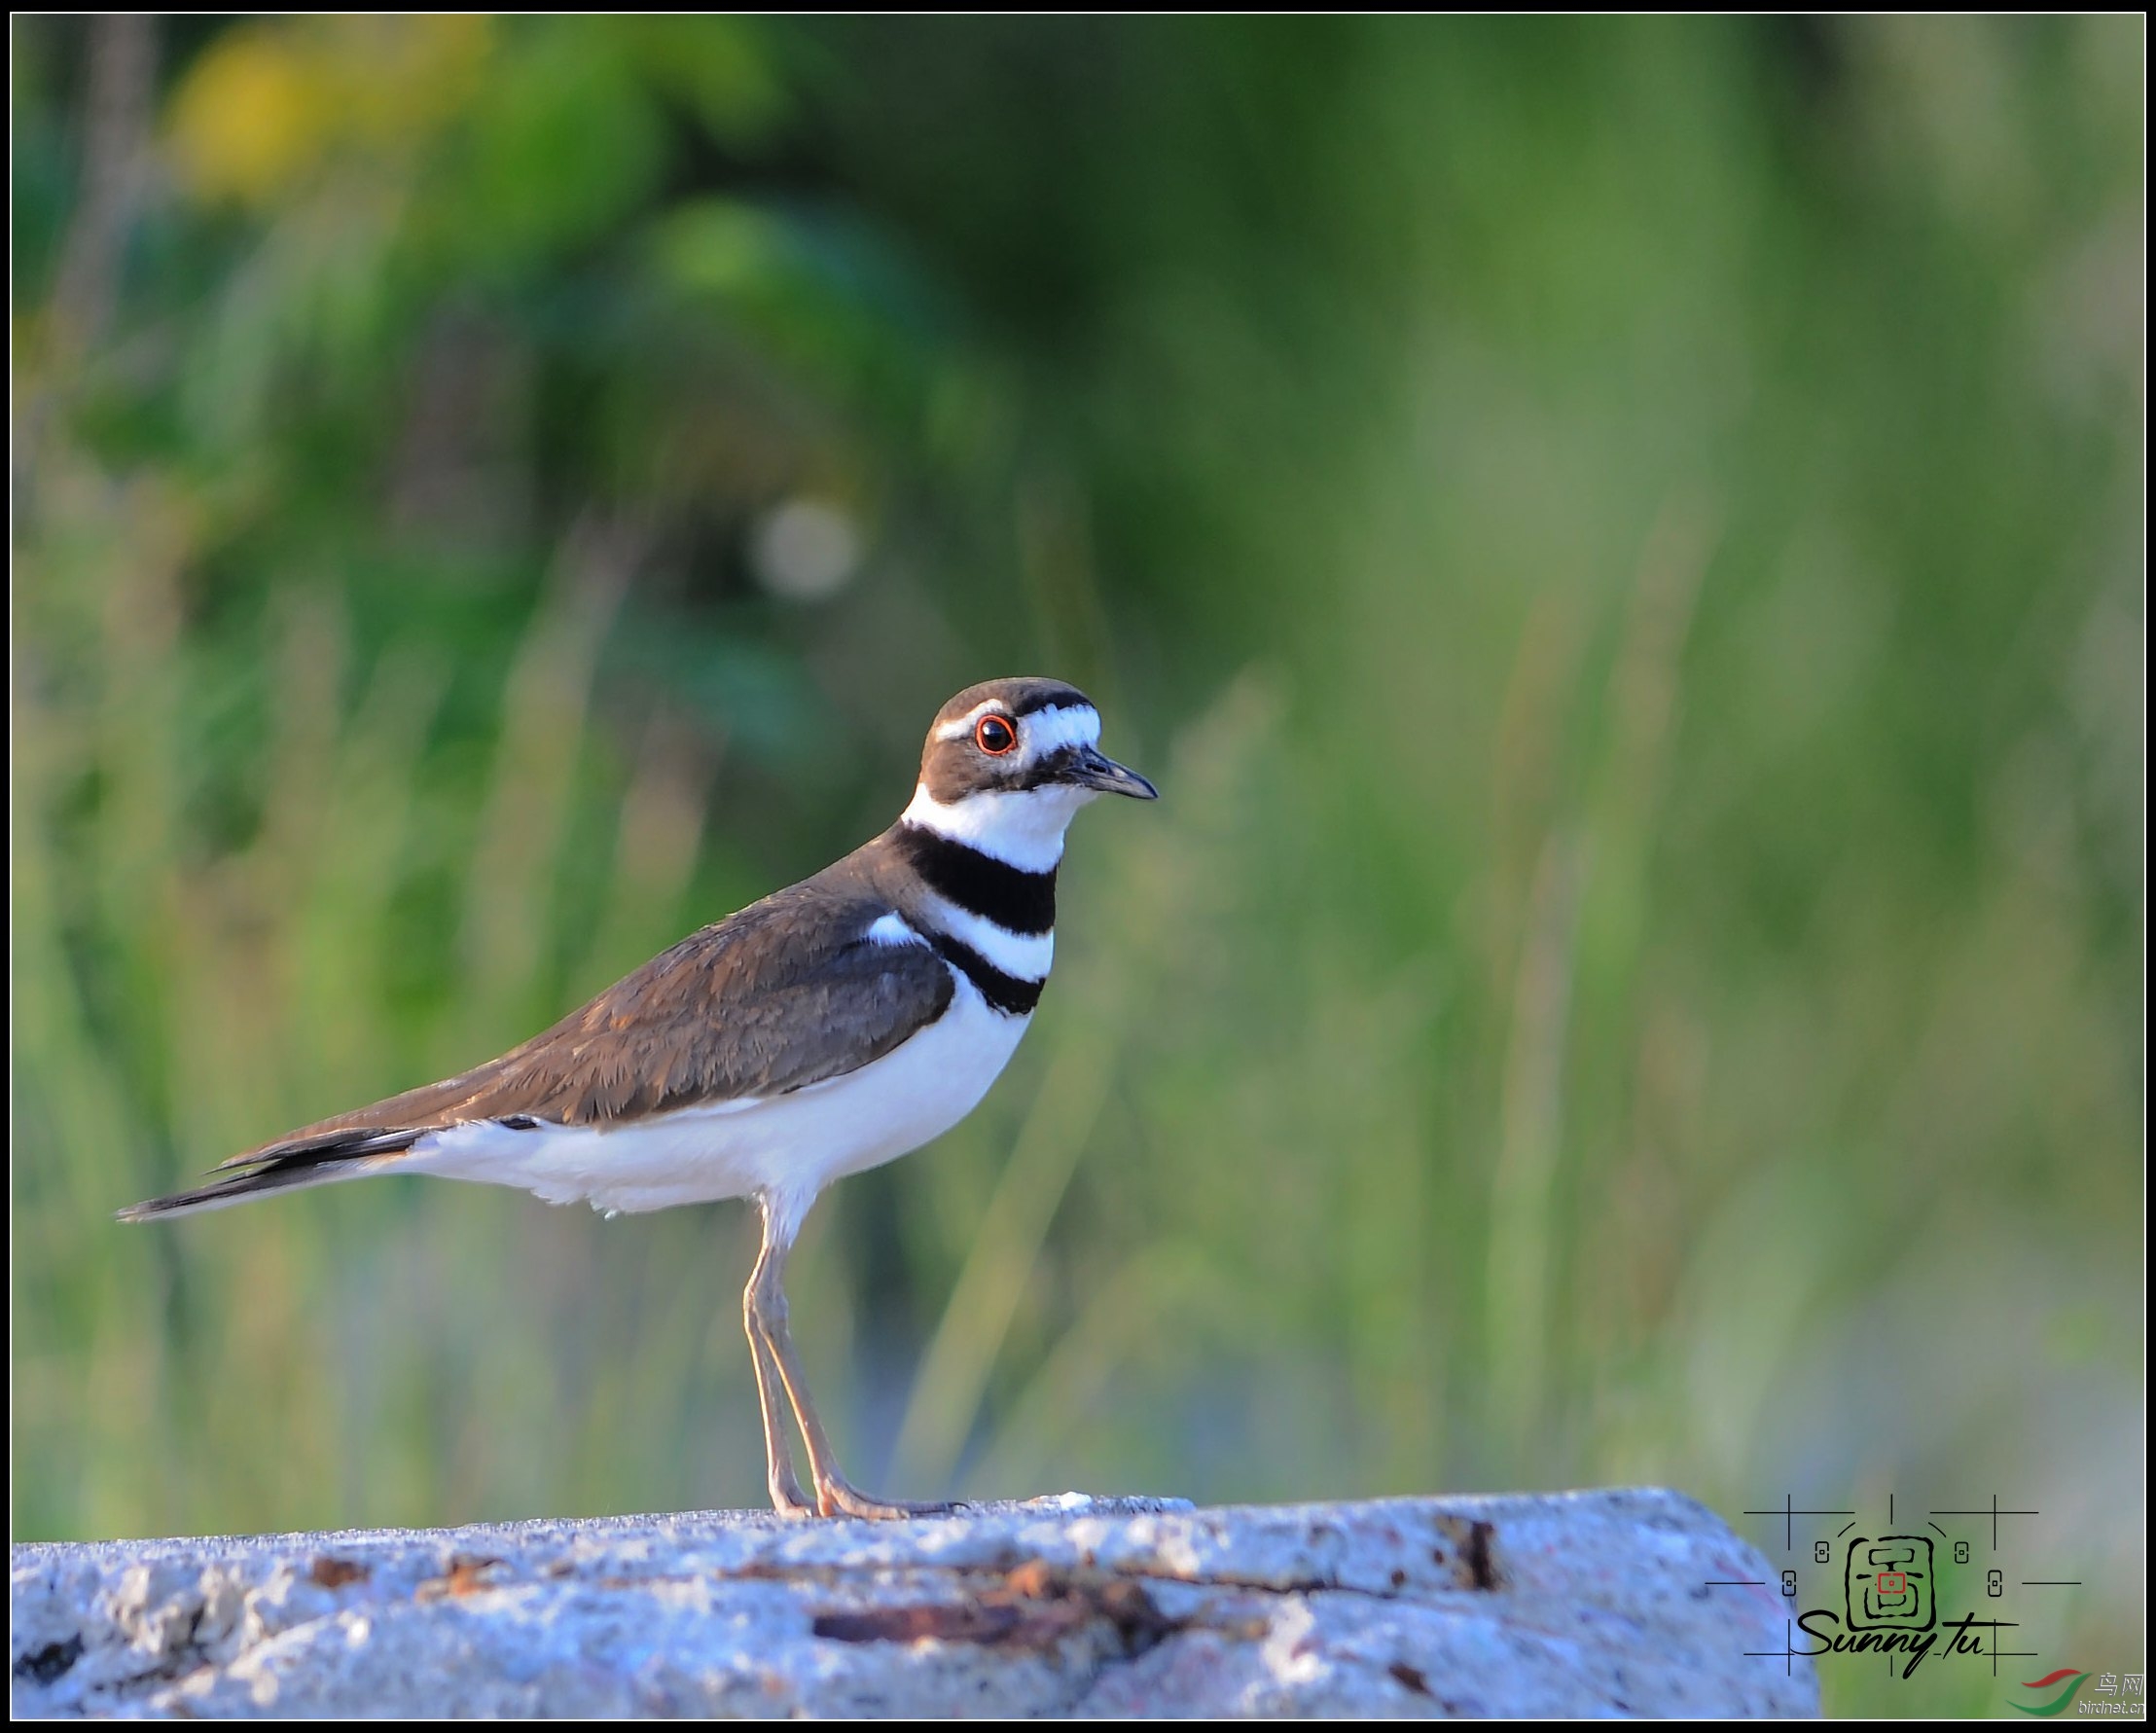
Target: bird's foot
pixel 789 1499
pixel 835 1498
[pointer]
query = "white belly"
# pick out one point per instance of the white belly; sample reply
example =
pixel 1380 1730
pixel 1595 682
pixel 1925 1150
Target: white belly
pixel 790 1146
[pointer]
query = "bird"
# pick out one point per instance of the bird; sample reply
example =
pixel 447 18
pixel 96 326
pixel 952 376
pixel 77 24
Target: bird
pixel 835 1026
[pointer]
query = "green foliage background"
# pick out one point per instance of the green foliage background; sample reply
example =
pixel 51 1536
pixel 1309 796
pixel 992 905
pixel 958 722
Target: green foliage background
pixel 1621 543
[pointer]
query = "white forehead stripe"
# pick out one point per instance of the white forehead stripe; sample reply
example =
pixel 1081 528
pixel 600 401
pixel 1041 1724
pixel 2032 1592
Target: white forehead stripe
pixel 1058 726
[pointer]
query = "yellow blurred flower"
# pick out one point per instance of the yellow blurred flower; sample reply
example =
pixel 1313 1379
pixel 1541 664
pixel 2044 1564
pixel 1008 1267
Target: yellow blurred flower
pixel 249 118
pixel 266 104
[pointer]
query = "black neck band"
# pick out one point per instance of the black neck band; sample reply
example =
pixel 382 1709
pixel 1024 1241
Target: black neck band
pixel 1006 993
pixel 1016 900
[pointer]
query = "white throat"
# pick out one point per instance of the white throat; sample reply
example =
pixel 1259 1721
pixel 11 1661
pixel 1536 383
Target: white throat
pixel 1021 828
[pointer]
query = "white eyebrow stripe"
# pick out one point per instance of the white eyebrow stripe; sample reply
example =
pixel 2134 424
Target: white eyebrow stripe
pixel 959 730
pixel 892 929
pixel 1027 956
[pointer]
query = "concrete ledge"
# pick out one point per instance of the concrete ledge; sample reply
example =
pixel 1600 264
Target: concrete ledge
pixel 1573 1604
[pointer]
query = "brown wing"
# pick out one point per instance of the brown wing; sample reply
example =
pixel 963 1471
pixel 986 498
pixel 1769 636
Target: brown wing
pixel 787 992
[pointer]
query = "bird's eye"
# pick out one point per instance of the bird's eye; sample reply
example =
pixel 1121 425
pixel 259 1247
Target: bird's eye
pixel 994 735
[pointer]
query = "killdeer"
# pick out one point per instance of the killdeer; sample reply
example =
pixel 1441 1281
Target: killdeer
pixel 836 1025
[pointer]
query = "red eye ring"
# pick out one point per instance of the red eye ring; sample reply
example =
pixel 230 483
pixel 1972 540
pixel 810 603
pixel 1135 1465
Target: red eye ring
pixel 994 735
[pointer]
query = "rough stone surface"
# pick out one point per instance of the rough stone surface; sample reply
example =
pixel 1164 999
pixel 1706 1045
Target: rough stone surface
pixel 1573 1604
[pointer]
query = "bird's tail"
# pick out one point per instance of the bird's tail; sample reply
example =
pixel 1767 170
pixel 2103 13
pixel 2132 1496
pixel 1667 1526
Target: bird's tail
pixel 288 1166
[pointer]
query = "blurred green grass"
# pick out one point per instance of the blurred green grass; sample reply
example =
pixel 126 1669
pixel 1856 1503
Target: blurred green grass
pixel 1621 543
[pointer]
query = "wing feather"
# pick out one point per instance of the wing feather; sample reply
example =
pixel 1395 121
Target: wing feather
pixel 787 992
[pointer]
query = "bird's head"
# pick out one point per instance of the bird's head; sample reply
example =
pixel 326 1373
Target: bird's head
pixel 1007 763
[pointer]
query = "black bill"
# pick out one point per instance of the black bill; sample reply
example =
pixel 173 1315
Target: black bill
pixel 1088 769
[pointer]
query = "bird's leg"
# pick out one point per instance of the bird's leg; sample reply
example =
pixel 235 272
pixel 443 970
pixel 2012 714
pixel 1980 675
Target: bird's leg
pixel 767 1314
pixel 778 1457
